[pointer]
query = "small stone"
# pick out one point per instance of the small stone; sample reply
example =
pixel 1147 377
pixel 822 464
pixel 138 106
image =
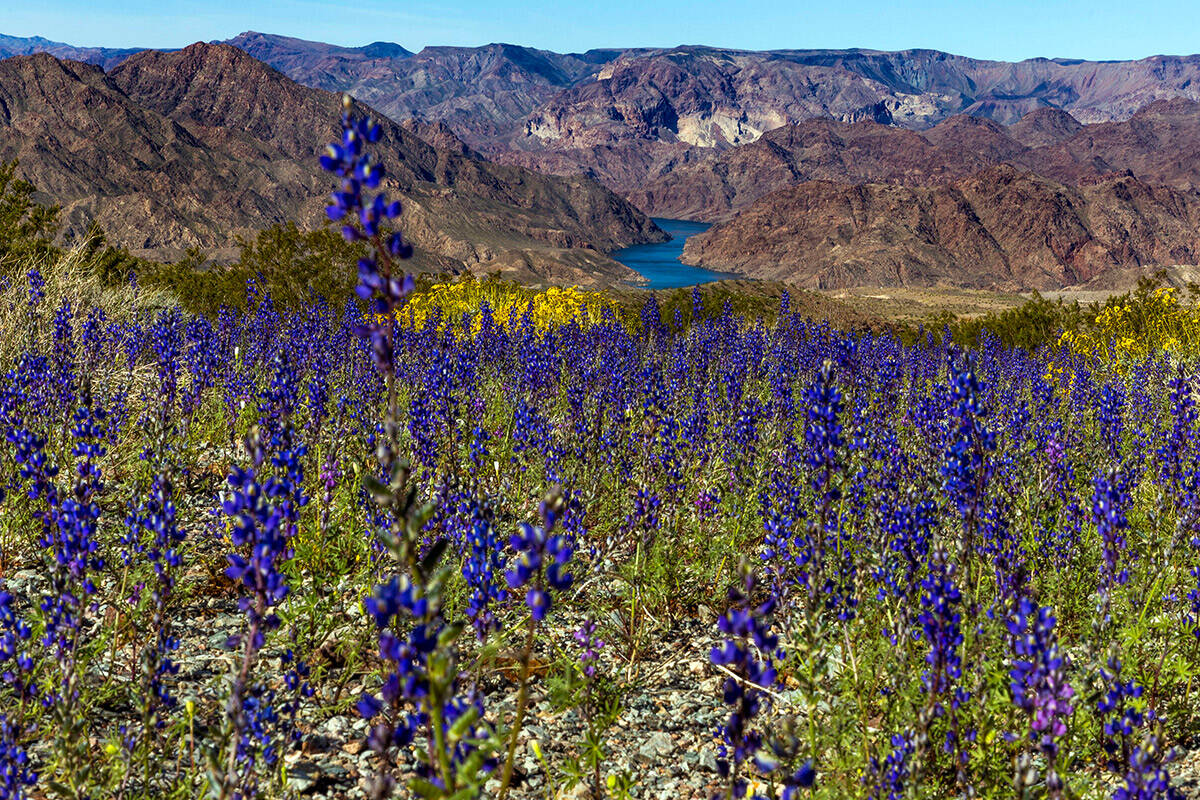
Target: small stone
pixel 580 791
pixel 353 747
pixel 338 727
pixel 708 761
pixel 657 746
pixel 302 777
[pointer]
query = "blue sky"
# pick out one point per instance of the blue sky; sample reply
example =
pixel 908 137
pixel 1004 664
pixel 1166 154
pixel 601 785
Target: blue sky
pixel 1095 29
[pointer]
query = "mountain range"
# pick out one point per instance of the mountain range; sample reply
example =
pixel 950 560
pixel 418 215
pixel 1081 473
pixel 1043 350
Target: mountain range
pixel 750 140
pixel 195 147
pixel 624 115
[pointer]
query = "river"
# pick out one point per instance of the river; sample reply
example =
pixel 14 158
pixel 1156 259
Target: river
pixel 659 263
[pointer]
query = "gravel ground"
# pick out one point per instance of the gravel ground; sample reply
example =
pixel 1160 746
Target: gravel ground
pixel 664 738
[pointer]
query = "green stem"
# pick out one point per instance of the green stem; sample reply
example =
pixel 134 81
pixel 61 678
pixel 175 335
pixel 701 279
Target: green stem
pixel 522 702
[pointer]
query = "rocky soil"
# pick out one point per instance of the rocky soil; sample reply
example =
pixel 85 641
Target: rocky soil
pixel 664 739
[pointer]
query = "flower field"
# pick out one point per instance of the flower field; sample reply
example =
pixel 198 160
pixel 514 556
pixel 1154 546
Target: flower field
pixel 453 545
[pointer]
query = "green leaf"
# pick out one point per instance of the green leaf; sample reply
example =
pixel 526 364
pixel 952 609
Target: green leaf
pixel 462 726
pixel 424 788
pixel 381 494
pixel 449 634
pixel 434 555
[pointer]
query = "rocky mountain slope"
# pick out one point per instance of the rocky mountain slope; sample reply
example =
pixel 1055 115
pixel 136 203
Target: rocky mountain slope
pixel 1000 228
pixel 170 150
pixel 1160 144
pixel 629 117
pixel 484 93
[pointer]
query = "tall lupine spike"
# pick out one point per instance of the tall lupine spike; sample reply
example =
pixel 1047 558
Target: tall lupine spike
pixel 747 656
pixel 890 781
pixel 1147 777
pixel 1110 503
pixel 966 466
pixel 823 446
pixel 541 563
pixel 264 510
pixel 420 692
pixel 1040 687
pixel 17 775
pixel 357 171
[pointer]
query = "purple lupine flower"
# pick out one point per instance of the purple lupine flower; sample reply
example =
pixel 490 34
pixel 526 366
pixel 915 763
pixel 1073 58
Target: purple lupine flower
pixel 156 534
pixel 941 622
pixel 1147 777
pixel 753 673
pixel 73 542
pixel 16 664
pixel 264 513
pixel 1109 415
pixel 965 467
pixel 1121 713
pixel 1110 500
pixel 748 653
pixel 590 646
pixel 411 693
pixel 1038 682
pixel 17 776
pixel 541 562
pixel 891 779
pixel 482 569
pixel 364 220
pixel 823 441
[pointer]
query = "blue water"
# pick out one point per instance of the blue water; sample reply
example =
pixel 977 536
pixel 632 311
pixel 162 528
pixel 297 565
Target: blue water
pixel 659 263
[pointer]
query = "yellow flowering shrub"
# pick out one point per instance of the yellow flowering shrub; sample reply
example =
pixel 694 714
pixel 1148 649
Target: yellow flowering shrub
pixel 448 303
pixel 1135 325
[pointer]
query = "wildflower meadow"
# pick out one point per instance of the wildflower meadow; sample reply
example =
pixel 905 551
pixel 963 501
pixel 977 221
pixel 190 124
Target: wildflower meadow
pixel 452 544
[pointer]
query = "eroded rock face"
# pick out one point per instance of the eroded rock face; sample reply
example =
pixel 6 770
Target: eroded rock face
pixel 999 228
pixel 1160 144
pixel 712 188
pixel 171 150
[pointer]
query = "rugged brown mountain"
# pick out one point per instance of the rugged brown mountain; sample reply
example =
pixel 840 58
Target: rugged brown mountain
pixel 189 148
pixel 711 92
pixel 1000 228
pixel 1160 144
pixel 963 137
pixel 1044 127
pixel 440 135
